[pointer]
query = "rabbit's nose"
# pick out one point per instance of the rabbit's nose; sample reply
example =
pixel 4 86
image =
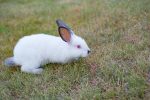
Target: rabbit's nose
pixel 89 51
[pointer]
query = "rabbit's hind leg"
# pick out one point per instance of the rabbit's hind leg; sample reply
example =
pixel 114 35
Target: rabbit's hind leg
pixel 33 70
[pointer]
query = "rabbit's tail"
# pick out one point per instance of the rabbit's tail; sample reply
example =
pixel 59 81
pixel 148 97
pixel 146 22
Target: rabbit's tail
pixel 9 62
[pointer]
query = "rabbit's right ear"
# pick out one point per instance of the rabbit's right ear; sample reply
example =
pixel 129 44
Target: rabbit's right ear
pixel 64 31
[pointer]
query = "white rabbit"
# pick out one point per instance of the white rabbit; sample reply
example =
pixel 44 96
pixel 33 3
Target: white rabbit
pixel 31 52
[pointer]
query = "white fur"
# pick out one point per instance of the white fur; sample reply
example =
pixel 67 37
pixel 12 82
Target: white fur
pixel 31 52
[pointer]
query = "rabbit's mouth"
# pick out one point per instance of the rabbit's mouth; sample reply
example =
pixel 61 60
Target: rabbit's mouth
pixel 85 54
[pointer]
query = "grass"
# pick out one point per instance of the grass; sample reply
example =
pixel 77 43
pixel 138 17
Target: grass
pixel 117 31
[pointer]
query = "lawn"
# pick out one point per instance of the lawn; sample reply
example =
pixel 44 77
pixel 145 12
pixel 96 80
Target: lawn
pixel 117 31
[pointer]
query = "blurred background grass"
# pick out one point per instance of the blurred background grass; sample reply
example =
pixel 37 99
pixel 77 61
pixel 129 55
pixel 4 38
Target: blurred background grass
pixel 117 31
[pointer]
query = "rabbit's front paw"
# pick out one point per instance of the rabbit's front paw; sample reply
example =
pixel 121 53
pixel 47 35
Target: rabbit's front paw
pixel 37 71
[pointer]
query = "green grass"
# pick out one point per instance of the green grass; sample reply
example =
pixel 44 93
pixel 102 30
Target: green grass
pixel 117 31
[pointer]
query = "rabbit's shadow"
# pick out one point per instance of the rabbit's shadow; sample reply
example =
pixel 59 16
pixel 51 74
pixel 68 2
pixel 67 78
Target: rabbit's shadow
pixel 54 66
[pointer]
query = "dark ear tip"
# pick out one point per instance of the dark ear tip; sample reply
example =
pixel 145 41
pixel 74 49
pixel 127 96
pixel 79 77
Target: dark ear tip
pixel 60 23
pixel 58 20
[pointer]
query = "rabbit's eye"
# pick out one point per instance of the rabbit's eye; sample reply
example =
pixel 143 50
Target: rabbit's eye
pixel 78 46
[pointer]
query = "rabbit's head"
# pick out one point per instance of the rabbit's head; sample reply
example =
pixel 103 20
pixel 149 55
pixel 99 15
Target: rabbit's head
pixel 76 43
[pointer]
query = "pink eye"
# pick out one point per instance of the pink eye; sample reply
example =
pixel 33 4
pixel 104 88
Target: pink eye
pixel 78 46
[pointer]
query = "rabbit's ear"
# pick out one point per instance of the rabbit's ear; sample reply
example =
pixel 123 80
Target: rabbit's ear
pixel 64 34
pixel 64 31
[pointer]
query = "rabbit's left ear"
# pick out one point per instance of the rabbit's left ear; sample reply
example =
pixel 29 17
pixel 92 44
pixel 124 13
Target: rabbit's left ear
pixel 64 31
